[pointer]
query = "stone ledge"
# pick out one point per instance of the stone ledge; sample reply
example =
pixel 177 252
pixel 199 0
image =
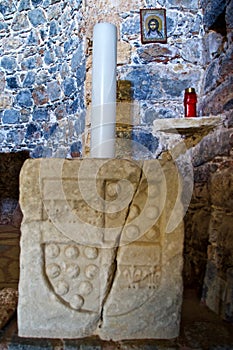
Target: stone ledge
pixel 191 130
pixel 186 126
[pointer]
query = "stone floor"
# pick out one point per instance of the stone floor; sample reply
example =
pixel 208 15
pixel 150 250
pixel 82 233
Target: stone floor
pixel 200 329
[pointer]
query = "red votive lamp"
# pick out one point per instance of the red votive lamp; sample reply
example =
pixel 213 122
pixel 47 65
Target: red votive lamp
pixel 190 103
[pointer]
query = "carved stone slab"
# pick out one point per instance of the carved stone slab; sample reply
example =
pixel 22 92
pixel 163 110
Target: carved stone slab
pixel 101 249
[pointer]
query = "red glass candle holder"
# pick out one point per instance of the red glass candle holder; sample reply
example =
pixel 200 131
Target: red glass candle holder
pixel 190 103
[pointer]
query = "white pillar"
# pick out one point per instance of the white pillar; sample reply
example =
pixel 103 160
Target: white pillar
pixel 103 117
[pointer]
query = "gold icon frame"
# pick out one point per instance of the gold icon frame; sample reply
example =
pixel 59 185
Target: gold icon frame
pixel 153 26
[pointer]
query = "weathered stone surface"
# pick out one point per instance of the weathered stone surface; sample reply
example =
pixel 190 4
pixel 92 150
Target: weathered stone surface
pixel 169 84
pixel 8 207
pixel 211 76
pixel 8 304
pixel 226 65
pixel 123 52
pixel 220 237
pixel 186 126
pixel 218 100
pixel 212 9
pixel 218 286
pixel 222 188
pixel 40 96
pixel 213 44
pixel 5 101
pixel 193 51
pixel 160 53
pixel 217 291
pixel 218 75
pixel 102 246
pixel 195 251
pixel 215 144
pixel 193 4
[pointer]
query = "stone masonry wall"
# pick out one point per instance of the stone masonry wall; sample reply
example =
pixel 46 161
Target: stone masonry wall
pixel 218 79
pixel 209 236
pixel 211 159
pixel 208 248
pixel 45 69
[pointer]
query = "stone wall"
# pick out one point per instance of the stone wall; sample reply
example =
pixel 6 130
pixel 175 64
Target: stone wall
pixel 45 69
pixel 218 283
pixel 208 247
pixel 218 79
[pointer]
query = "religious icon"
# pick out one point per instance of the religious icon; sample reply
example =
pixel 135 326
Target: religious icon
pixel 153 26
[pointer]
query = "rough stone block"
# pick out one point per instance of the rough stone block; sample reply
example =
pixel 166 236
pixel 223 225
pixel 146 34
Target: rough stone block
pixel 222 188
pixel 8 304
pixel 217 291
pixel 101 252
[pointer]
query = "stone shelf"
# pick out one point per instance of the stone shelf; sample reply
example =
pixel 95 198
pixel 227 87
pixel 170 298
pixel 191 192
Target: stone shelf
pixel 187 126
pixel 192 130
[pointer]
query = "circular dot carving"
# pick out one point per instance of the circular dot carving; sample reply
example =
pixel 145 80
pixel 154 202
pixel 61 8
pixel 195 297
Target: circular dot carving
pixel 132 232
pixel 72 270
pixel 91 252
pixel 151 212
pixel 52 250
pixel 72 252
pixel 76 302
pixel 85 288
pixel 53 270
pixel 62 288
pixel 91 271
pixel 153 190
pixel 73 273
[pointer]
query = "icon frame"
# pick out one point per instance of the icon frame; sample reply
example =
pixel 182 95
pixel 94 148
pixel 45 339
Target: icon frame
pixel 156 17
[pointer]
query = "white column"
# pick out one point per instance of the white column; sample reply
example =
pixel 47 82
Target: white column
pixel 103 116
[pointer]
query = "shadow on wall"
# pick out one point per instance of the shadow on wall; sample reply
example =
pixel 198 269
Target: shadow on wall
pixel 10 166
